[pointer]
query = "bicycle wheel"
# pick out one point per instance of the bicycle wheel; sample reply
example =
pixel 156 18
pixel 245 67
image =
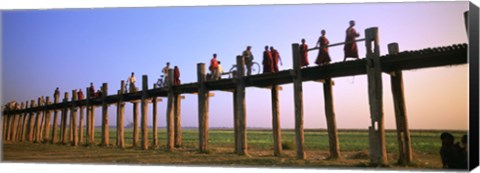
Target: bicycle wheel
pixel 255 68
pixel 231 71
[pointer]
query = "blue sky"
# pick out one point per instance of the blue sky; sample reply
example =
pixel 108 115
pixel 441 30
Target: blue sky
pixel 44 49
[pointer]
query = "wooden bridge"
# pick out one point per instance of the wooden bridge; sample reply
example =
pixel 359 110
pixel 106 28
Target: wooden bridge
pixel 31 122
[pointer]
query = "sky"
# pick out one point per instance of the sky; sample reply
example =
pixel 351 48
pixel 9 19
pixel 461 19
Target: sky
pixel 69 48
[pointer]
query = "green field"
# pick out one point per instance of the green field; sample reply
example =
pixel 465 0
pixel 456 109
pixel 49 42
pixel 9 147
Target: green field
pixel 353 148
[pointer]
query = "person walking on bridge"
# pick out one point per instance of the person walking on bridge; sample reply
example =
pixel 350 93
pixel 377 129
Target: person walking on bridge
pixel 132 81
pixel 267 61
pixel 248 58
pixel 213 66
pixel 176 76
pixel 303 54
pixel 350 48
pixel 323 56
pixel 275 58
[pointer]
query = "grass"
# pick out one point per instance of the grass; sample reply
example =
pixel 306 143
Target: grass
pixel 353 148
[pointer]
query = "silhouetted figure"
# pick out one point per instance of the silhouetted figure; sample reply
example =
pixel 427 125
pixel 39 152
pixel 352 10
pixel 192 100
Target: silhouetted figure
pixel 80 94
pixel 275 58
pixel 449 152
pixel 91 91
pixel 213 66
pixel 56 93
pixel 176 76
pixel 218 73
pixel 132 81
pixel 303 54
pixel 248 58
pixel 463 152
pixel 323 55
pixel 267 61
pixel 165 71
pixel 350 49
pixel 99 93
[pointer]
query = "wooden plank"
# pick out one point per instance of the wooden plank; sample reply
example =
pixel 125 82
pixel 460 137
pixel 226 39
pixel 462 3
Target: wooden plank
pixel 334 145
pixel 242 145
pixel 403 132
pixel 169 116
pixel 378 153
pixel 277 133
pixel 202 108
pixel 298 100
pixel 144 112
pixel 177 120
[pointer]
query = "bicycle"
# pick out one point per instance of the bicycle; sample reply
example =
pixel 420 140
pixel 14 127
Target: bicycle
pixel 255 69
pixel 160 82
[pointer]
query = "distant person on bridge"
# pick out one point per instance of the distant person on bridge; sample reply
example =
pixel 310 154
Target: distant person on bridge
pixel 267 61
pixel 218 73
pixel 350 49
pixel 176 76
pixel 213 66
pixel 132 81
pixel 91 91
pixel 80 94
pixel 303 54
pixel 248 58
pixel 57 92
pixel 275 58
pixel 323 56
pixel 165 72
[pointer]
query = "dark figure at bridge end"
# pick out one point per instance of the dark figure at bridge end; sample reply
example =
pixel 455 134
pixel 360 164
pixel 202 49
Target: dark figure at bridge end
pixel 303 54
pixel 350 49
pixel 323 55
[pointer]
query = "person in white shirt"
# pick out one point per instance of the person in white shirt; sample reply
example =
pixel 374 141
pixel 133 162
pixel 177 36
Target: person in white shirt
pixel 132 81
pixel 218 72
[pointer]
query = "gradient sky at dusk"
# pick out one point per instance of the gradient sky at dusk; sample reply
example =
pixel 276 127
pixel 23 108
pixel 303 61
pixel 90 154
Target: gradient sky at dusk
pixel 44 49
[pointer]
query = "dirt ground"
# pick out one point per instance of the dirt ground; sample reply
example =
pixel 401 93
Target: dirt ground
pixel 188 156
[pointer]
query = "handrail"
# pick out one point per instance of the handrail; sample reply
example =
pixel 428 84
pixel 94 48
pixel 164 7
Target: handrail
pixel 337 44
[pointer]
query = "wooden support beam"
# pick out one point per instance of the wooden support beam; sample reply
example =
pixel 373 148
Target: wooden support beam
pixel 64 119
pixel 80 125
pixel 55 118
pixel 120 116
pixel 144 112
pixel 25 122
pixel 88 122
pixel 298 100
pixel 36 135
pixel 73 116
pixel 14 123
pixel 43 121
pixel 169 116
pixel 135 124
pixel 403 132
pixel 177 120
pixel 48 114
pixel 378 153
pixel 154 120
pixel 31 122
pixel 235 122
pixel 277 133
pixel 331 121
pixel 242 145
pixel 20 122
pixel 202 108
pixel 4 126
pixel 105 128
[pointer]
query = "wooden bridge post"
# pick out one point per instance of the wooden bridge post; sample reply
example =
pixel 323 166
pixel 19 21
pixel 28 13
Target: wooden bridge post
pixel 80 124
pixel 277 133
pixel 135 123
pixel 242 145
pixel 88 121
pixel 105 137
pixel 120 116
pixel 64 119
pixel 155 120
pixel 403 133
pixel 55 118
pixel 4 124
pixel 43 120
pixel 20 122
pixel 235 122
pixel 8 124
pixel 14 123
pixel 31 121
pixel 378 152
pixel 48 114
pixel 298 99
pixel 203 100
pixel 144 112
pixel 177 120
pixel 36 137
pixel 170 105
pixel 25 122
pixel 331 121
pixel 73 116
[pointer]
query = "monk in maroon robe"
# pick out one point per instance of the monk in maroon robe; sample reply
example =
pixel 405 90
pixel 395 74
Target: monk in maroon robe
pixel 275 58
pixel 350 49
pixel 92 91
pixel 323 56
pixel 176 76
pixel 267 61
pixel 303 54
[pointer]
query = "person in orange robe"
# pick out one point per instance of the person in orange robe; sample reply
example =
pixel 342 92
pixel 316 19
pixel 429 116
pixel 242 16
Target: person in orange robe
pixel 267 61
pixel 176 76
pixel 303 54
pixel 323 56
pixel 350 49
pixel 213 64
pixel 275 58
